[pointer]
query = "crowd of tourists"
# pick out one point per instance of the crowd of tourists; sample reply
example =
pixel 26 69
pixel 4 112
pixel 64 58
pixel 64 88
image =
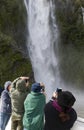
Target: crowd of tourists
pixel 27 108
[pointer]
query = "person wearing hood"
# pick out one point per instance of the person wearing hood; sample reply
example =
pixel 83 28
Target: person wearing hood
pixel 13 85
pixel 34 108
pixel 59 114
pixel 18 95
pixel 5 106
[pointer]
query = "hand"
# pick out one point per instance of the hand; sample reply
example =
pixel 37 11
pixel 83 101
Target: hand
pixel 24 77
pixel 43 87
pixel 54 94
pixel 41 84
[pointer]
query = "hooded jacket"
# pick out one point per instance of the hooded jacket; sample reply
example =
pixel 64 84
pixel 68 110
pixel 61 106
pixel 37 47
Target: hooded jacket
pixel 34 111
pixel 52 119
pixel 5 105
pixel 17 99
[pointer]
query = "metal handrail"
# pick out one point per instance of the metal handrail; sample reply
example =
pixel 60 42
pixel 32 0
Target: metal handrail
pixel 80 119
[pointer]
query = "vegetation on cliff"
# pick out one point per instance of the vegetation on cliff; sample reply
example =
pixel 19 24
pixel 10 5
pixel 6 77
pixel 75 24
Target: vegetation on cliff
pixel 70 20
pixel 69 17
pixel 14 59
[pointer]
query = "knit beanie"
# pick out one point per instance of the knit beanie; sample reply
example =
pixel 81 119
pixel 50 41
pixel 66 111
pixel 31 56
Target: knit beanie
pixel 36 87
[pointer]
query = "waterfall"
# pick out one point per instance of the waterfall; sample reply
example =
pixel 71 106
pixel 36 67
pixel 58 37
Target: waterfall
pixel 83 13
pixel 41 39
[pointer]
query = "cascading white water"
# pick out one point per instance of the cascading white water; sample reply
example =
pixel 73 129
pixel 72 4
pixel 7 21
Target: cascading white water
pixel 41 42
pixel 83 13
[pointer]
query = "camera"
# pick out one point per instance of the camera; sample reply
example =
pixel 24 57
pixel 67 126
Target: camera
pixel 42 89
pixel 26 80
pixel 58 90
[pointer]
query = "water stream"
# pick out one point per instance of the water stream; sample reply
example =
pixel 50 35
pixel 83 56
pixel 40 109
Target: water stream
pixel 41 41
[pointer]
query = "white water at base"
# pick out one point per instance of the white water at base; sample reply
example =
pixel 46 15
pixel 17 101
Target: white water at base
pixel 41 43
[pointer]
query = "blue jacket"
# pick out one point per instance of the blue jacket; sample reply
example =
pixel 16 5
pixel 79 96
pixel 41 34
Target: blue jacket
pixel 5 103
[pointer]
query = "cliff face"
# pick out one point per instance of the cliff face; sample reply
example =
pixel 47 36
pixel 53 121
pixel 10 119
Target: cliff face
pixel 14 59
pixel 69 18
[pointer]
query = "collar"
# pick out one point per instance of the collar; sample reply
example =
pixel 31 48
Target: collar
pixel 56 106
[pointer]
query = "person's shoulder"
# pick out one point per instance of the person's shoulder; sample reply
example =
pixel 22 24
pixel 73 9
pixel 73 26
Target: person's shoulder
pixel 4 92
pixel 49 107
pixel 28 96
pixel 43 97
pixel 73 113
pixel 73 110
pixel 49 103
pixel 14 93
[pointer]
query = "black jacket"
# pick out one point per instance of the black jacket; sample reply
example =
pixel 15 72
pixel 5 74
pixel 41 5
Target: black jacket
pixel 53 121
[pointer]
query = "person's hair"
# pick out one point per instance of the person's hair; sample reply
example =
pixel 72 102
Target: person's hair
pixel 66 100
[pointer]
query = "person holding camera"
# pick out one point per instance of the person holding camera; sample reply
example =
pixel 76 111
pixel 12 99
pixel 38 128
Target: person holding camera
pixel 55 94
pixel 34 108
pixel 5 106
pixel 59 113
pixel 18 95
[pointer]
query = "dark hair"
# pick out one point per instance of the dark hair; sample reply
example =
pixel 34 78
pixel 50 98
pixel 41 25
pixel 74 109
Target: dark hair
pixel 66 100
